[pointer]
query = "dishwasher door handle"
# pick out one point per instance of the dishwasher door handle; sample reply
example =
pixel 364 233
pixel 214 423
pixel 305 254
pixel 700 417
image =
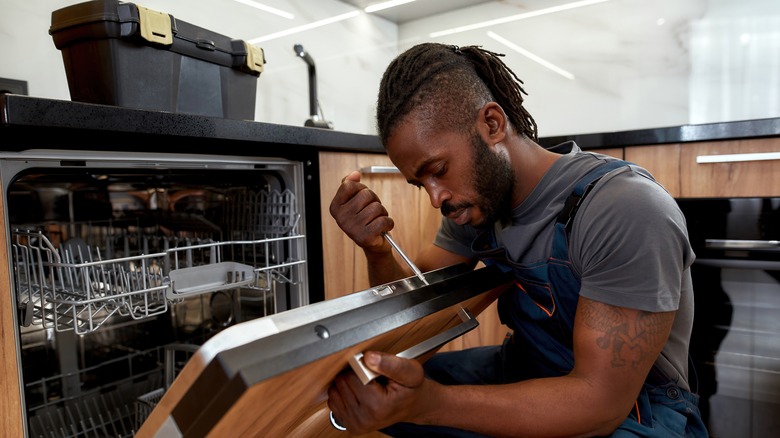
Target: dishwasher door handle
pixel 468 323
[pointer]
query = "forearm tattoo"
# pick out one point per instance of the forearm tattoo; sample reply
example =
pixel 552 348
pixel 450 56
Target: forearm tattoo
pixel 632 340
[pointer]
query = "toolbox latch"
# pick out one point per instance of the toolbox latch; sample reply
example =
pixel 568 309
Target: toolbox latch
pixel 155 26
pixel 255 58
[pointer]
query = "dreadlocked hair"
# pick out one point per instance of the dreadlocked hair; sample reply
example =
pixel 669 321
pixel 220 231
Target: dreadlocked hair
pixel 430 77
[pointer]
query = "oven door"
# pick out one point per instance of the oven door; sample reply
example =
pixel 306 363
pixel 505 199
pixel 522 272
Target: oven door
pixel 735 343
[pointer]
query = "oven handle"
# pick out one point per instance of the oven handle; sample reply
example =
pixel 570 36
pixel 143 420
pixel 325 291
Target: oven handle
pixel 745 245
pixel 761 265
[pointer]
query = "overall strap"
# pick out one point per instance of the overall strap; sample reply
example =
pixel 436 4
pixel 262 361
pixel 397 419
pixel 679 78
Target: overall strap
pixel 581 190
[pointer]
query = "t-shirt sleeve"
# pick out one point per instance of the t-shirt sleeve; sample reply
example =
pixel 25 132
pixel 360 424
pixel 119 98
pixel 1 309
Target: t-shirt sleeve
pixel 630 244
pixel 455 238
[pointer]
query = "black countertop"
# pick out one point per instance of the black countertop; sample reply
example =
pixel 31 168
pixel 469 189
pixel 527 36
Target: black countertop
pixel 675 134
pixel 30 122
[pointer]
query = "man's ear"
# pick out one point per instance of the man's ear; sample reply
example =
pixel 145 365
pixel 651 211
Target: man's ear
pixel 494 121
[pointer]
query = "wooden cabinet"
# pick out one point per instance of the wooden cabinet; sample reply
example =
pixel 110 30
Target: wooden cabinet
pixel 730 168
pixel 416 223
pixel 662 161
pixel 10 400
pixel 713 169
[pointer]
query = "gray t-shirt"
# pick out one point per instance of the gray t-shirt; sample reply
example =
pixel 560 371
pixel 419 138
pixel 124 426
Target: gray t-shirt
pixel 629 244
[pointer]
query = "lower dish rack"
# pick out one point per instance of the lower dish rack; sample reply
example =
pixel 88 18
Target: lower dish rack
pixel 74 286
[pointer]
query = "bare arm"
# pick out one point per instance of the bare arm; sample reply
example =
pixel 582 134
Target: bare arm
pixel 614 349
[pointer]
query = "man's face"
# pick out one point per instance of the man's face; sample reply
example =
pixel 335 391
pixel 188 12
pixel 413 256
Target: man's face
pixel 464 177
pixel 494 182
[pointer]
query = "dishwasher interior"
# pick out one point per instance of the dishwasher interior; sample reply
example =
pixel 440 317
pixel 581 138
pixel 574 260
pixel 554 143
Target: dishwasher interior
pixel 122 265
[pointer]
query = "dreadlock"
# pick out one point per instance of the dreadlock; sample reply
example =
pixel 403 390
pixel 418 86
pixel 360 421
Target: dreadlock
pixel 432 76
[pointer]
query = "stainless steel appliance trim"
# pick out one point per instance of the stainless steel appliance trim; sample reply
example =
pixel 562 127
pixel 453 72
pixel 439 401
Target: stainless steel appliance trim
pixel 733 158
pixel 379 169
pixel 772 245
pixel 766 265
pixel 469 323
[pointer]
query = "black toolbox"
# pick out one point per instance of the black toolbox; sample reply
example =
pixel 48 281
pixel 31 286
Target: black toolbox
pixel 118 53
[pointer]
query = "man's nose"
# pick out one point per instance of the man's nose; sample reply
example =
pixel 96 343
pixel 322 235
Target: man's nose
pixel 438 195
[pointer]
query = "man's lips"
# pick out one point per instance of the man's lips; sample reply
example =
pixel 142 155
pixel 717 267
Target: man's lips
pixel 460 216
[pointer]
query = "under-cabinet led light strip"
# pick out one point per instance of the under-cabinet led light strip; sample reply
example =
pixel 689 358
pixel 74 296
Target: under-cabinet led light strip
pixel 728 158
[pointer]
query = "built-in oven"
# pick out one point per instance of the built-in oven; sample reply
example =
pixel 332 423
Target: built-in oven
pixel 735 344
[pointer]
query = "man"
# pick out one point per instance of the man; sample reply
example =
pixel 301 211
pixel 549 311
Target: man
pixel 602 309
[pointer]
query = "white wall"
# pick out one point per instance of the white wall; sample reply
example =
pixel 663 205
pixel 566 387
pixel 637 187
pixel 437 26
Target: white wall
pixel 630 72
pixel 710 61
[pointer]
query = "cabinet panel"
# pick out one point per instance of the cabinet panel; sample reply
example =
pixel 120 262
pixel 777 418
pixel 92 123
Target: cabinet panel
pixel 415 219
pixel 10 400
pixel 731 178
pixel 662 161
pixel 338 251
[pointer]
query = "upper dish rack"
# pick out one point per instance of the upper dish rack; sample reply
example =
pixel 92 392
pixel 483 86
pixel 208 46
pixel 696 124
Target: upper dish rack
pixel 79 286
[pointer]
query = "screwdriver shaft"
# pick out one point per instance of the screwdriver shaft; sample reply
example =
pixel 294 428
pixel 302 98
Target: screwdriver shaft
pixel 406 258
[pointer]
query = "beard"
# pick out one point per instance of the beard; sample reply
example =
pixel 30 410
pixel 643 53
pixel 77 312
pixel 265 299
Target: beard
pixel 494 182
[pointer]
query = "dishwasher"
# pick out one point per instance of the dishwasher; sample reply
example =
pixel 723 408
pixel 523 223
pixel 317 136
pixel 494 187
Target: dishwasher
pixel 122 264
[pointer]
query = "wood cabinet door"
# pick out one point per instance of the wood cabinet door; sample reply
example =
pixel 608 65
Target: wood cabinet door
pixel 731 168
pixel 416 221
pixel 416 224
pixel 10 400
pixel 662 161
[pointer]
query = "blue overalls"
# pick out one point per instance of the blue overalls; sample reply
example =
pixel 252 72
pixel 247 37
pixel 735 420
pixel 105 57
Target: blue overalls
pixel 540 310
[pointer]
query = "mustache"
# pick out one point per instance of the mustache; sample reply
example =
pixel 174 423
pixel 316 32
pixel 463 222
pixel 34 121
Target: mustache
pixel 447 208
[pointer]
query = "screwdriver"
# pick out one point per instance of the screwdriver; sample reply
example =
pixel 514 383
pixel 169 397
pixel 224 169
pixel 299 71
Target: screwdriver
pixel 408 261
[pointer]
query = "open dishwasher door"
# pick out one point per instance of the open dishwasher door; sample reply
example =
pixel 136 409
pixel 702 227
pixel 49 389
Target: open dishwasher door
pixel 269 376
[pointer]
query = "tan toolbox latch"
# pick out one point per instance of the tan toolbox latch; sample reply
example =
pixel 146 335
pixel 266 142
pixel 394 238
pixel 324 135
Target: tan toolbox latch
pixel 255 58
pixel 155 26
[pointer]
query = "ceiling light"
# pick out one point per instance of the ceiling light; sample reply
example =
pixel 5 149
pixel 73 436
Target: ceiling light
pixel 305 27
pixel 531 56
pixel 266 8
pixel 385 5
pixel 511 18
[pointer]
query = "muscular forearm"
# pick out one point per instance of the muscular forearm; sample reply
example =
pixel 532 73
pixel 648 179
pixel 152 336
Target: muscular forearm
pixel 550 407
